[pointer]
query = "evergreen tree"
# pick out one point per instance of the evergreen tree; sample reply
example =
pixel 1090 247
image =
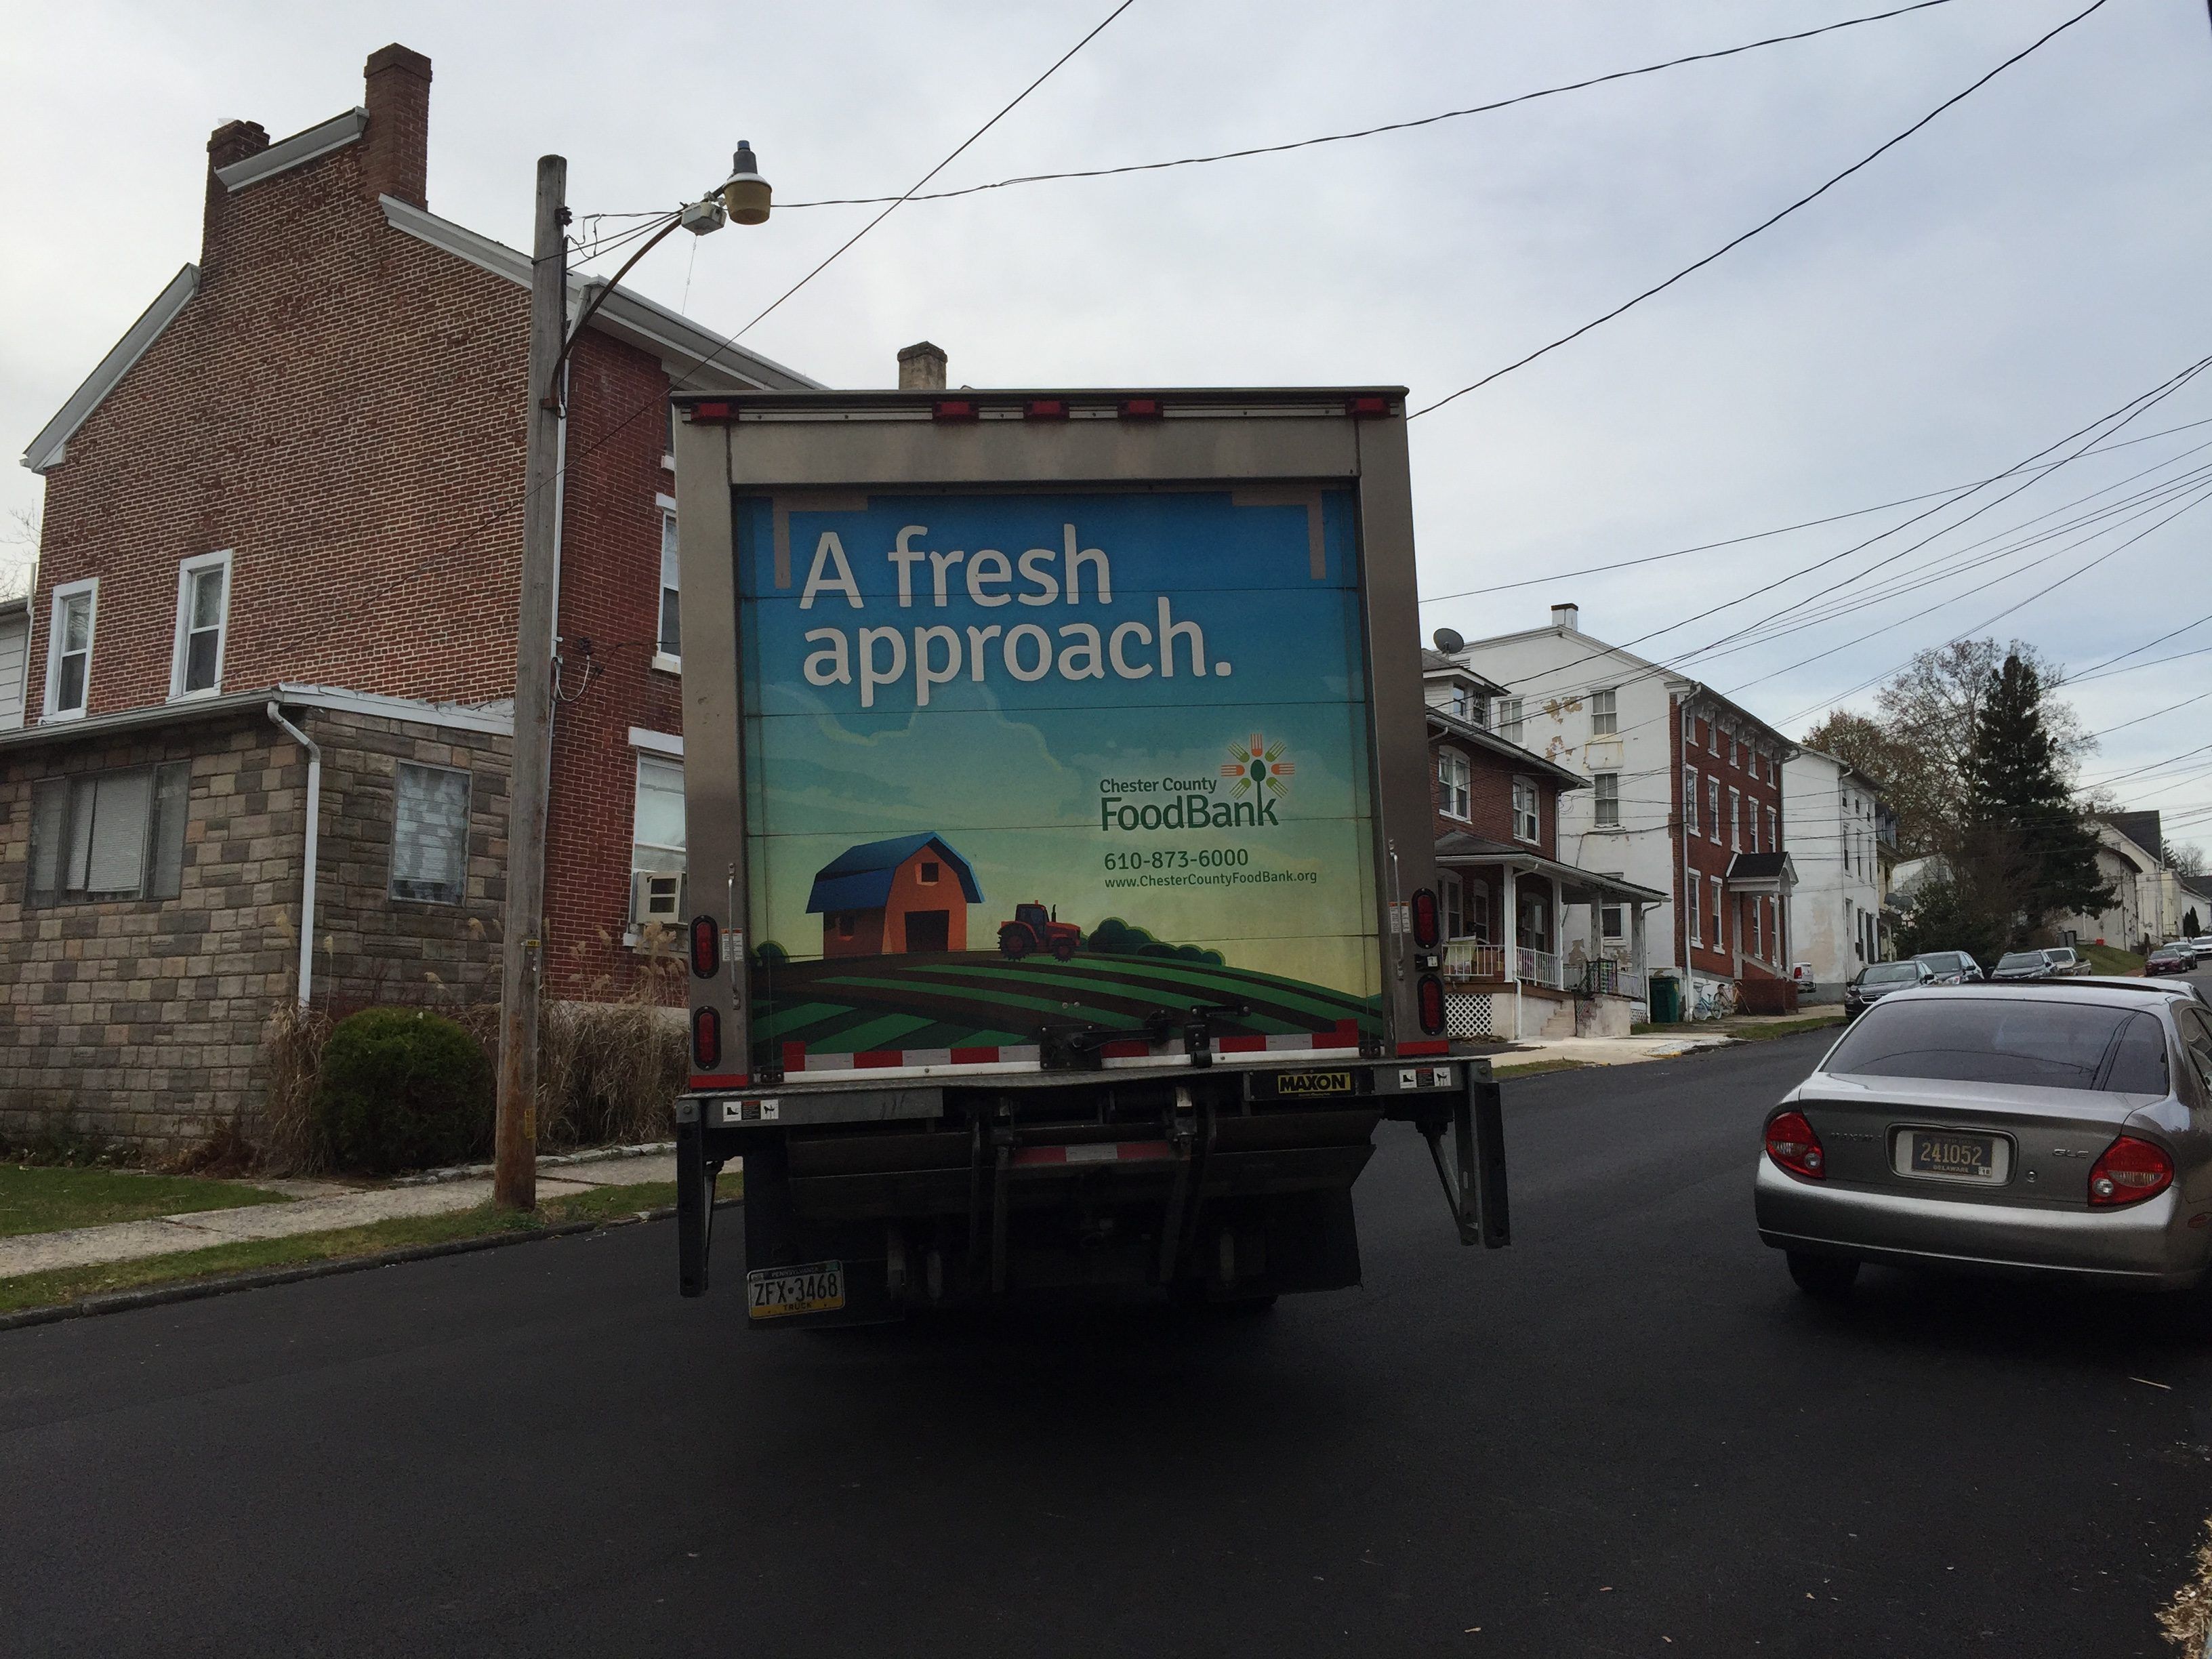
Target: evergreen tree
pixel 2189 927
pixel 2026 835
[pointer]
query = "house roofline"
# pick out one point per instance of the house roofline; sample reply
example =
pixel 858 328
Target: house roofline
pixel 697 358
pixel 1483 738
pixel 1681 683
pixel 51 447
pixel 297 151
pixel 495 720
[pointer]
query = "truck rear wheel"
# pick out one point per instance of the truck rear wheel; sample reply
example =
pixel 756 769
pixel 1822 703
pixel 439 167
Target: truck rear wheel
pixel 1014 941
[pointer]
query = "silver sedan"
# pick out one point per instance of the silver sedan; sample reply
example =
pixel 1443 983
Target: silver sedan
pixel 2060 1128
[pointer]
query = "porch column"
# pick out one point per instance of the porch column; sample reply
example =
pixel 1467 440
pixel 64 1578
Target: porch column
pixel 1512 932
pixel 1637 957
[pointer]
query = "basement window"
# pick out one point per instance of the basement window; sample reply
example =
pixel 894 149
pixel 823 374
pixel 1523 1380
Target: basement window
pixel 116 834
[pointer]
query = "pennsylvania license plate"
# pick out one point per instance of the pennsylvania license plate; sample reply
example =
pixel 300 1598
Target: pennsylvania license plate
pixel 777 1292
pixel 1952 1156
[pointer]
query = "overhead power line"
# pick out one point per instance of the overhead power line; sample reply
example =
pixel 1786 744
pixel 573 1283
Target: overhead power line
pixel 1373 132
pixel 1764 225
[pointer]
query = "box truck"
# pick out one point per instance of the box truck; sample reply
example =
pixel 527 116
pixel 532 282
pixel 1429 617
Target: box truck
pixel 1061 914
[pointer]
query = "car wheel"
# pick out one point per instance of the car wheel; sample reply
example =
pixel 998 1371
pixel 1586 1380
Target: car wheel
pixel 1828 1277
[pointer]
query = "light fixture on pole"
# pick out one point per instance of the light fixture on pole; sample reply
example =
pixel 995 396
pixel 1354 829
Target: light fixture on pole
pixel 745 198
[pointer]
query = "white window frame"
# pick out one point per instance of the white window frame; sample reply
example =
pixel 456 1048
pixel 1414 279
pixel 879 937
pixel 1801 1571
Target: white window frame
pixel 1773 837
pixel 180 649
pixel 655 763
pixel 1736 820
pixel 1605 807
pixel 1689 800
pixel 1713 734
pixel 1689 728
pixel 1605 712
pixel 1613 920
pixel 1451 787
pixel 663 660
pixel 64 592
pixel 1696 929
pixel 1720 914
pixel 1508 723
pixel 1524 789
pixel 1713 807
pixel 1728 727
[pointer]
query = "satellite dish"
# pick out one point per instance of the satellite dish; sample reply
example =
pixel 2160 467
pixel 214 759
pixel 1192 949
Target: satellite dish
pixel 1449 642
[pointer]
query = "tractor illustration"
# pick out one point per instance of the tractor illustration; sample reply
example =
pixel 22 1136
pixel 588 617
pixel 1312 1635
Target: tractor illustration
pixel 1036 928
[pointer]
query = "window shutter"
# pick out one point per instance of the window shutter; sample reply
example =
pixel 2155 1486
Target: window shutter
pixel 115 859
pixel 165 837
pixel 49 837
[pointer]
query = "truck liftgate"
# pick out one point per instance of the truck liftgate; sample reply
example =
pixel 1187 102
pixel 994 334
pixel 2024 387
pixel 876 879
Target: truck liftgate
pixel 1060 895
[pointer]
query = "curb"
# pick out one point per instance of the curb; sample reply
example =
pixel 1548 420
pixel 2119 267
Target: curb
pixel 195 1290
pixel 553 1161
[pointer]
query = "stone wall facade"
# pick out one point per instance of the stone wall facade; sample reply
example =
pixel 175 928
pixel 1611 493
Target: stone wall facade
pixel 142 1019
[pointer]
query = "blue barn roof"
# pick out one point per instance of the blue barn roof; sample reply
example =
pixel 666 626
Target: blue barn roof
pixel 860 878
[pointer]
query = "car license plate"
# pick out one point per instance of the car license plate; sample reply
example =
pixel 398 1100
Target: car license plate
pixel 777 1292
pixel 1952 1156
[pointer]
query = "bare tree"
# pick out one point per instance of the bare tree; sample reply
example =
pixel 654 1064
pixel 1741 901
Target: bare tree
pixel 2183 858
pixel 18 551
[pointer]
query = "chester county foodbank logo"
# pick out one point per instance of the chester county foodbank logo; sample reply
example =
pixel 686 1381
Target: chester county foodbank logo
pixel 1257 764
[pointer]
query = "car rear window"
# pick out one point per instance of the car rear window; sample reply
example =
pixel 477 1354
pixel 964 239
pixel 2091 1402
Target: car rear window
pixel 2051 1045
pixel 2022 959
pixel 1891 973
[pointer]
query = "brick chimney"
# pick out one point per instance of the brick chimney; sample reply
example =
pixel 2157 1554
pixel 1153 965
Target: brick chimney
pixel 1567 616
pixel 396 160
pixel 921 367
pixel 234 141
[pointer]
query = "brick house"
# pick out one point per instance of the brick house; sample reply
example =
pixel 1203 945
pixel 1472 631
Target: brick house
pixel 1512 966
pixel 269 660
pixel 1686 792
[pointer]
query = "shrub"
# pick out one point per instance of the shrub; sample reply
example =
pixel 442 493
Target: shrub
pixel 403 1088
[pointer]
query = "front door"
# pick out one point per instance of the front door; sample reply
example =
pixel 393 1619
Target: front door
pixel 929 930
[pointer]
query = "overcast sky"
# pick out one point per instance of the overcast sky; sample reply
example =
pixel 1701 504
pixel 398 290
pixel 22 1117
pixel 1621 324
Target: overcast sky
pixel 2034 258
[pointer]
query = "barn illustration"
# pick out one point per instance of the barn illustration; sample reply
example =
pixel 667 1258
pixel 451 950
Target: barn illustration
pixel 894 897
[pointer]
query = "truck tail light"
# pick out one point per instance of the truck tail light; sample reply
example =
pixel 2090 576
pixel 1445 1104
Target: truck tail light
pixel 1792 1144
pixel 2128 1172
pixel 701 414
pixel 1429 999
pixel 1367 406
pixel 954 409
pixel 706 947
pixel 1045 408
pixel 706 1039
pixel 1424 919
pixel 1141 409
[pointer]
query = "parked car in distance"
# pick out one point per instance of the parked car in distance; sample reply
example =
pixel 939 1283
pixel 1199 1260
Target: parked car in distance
pixel 1878 980
pixel 2058 1129
pixel 2022 964
pixel 2065 959
pixel 2176 958
pixel 1800 974
pixel 2202 944
pixel 1951 967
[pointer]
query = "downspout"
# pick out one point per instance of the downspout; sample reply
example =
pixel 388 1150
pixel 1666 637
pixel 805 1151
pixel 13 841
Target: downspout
pixel 309 851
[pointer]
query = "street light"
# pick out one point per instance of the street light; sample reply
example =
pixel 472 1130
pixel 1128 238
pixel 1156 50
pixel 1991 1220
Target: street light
pixel 745 198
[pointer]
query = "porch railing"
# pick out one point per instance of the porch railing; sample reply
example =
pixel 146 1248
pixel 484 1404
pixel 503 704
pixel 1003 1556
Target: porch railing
pixel 1470 958
pixel 1540 968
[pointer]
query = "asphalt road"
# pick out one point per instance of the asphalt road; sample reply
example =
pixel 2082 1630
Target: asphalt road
pixel 1625 1435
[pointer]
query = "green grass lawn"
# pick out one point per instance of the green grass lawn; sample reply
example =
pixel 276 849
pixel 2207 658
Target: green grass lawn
pixel 2111 959
pixel 74 1284
pixel 46 1200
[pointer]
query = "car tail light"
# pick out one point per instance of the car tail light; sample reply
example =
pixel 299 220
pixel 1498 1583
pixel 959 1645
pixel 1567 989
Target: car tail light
pixel 2130 1171
pixel 1791 1143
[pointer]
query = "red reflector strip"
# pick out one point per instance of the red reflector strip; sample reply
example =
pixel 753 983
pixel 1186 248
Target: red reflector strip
pixel 1096 1152
pixel 1046 409
pixel 703 412
pixel 719 1080
pixel 1441 1046
pixel 1141 409
pixel 1367 406
pixel 955 409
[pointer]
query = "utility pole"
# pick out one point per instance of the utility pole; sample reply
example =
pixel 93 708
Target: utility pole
pixel 522 955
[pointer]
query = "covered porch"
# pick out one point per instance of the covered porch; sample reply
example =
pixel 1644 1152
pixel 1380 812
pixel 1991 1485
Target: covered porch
pixel 1510 970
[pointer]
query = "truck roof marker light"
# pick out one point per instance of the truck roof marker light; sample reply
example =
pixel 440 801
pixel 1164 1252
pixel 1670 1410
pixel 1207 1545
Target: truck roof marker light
pixel 953 411
pixel 1141 409
pixel 1424 918
pixel 1360 407
pixel 1045 408
pixel 1429 997
pixel 706 1039
pixel 706 947
pixel 699 412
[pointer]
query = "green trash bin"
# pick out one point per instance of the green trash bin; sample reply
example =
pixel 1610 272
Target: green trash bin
pixel 1666 1001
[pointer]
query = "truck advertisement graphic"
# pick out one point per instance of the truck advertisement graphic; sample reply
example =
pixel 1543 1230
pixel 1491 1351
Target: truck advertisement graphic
pixel 1020 762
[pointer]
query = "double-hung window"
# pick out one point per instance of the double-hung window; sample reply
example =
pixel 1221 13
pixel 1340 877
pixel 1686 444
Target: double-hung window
pixel 202 618
pixel 1697 930
pixel 1613 920
pixel 1605 712
pixel 1453 897
pixel 1525 824
pixel 1713 736
pixel 1773 840
pixel 430 834
pixel 1689 730
pixel 1452 782
pixel 1689 800
pixel 1719 937
pixel 668 647
pixel 1606 802
pixel 116 834
pixel 656 850
pixel 1713 808
pixel 1731 743
pixel 1509 718
pixel 69 648
pixel 1736 820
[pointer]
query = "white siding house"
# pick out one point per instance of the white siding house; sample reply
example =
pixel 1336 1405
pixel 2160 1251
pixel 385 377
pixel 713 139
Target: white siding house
pixel 1831 828
pixel 15 636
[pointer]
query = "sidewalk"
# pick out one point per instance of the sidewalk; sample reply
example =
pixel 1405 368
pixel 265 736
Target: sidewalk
pixel 317 1206
pixel 1670 1043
